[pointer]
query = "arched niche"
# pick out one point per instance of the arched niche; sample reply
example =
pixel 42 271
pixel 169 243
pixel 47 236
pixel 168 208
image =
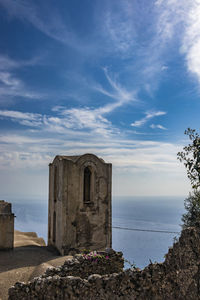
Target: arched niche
pixel 87 185
pixel 54 227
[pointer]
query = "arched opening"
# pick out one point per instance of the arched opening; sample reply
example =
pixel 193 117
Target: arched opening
pixel 54 227
pixel 87 185
pixel 49 228
pixel 55 183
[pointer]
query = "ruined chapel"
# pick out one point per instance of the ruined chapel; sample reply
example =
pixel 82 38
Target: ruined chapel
pixel 79 214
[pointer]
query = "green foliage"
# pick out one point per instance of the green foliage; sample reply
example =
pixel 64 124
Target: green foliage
pixel 190 156
pixel 192 205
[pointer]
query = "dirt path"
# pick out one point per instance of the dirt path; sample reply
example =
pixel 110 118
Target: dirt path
pixel 29 259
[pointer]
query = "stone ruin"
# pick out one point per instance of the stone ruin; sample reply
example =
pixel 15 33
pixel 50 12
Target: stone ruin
pixel 6 226
pixel 79 203
pixel 178 277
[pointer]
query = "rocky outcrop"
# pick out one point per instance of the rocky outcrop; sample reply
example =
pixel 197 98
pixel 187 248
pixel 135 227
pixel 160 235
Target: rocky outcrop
pixel 177 278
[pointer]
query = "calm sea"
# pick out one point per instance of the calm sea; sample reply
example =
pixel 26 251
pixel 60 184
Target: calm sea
pixel 143 213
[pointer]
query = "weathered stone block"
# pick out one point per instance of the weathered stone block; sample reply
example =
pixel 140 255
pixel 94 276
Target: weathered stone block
pixel 6 226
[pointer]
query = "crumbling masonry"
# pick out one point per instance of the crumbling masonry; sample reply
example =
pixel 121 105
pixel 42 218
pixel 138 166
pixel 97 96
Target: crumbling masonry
pixel 6 226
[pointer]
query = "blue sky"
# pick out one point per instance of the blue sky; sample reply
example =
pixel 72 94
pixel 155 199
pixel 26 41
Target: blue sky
pixel 120 79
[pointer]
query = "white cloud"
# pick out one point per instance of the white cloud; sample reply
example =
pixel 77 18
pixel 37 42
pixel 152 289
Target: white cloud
pixel 7 79
pixel 149 115
pixel 78 120
pixel 10 85
pixel 191 39
pixel 28 119
pixel 155 114
pixel 83 118
pixel 94 119
pixel 164 68
pixel 7 63
pixel 183 17
pixel 11 92
pixel 140 156
pixel 153 126
pixel 119 94
pixel 135 163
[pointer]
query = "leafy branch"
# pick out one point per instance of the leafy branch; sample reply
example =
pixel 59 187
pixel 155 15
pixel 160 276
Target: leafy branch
pixel 190 156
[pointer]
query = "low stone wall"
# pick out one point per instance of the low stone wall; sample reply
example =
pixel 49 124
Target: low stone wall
pixel 6 226
pixel 83 265
pixel 177 278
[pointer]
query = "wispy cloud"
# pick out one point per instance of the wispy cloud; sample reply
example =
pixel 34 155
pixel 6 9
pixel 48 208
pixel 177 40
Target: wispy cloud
pixel 20 115
pixel 22 151
pixel 47 19
pixel 82 119
pixel 10 84
pixel 119 26
pixel 154 126
pixel 74 121
pixel 191 39
pixel 149 116
pixel 92 119
pixel 27 119
pixel 8 64
pixel 167 18
pixel 8 80
pixel 25 158
pixel 129 34
pixel 184 17
pixel 120 94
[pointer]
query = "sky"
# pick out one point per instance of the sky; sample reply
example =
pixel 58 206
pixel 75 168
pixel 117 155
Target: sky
pixel 117 78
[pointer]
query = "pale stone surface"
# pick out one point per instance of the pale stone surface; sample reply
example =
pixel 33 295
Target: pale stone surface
pixel 6 225
pixel 79 203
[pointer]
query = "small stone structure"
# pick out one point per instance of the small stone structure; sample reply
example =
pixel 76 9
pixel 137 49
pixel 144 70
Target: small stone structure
pixel 6 226
pixel 178 277
pixel 79 203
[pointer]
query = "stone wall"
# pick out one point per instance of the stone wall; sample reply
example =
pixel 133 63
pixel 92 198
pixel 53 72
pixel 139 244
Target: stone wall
pixel 86 264
pixel 5 207
pixel 6 226
pixel 177 278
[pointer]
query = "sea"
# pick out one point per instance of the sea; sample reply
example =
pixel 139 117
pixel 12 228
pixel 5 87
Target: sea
pixel 143 227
